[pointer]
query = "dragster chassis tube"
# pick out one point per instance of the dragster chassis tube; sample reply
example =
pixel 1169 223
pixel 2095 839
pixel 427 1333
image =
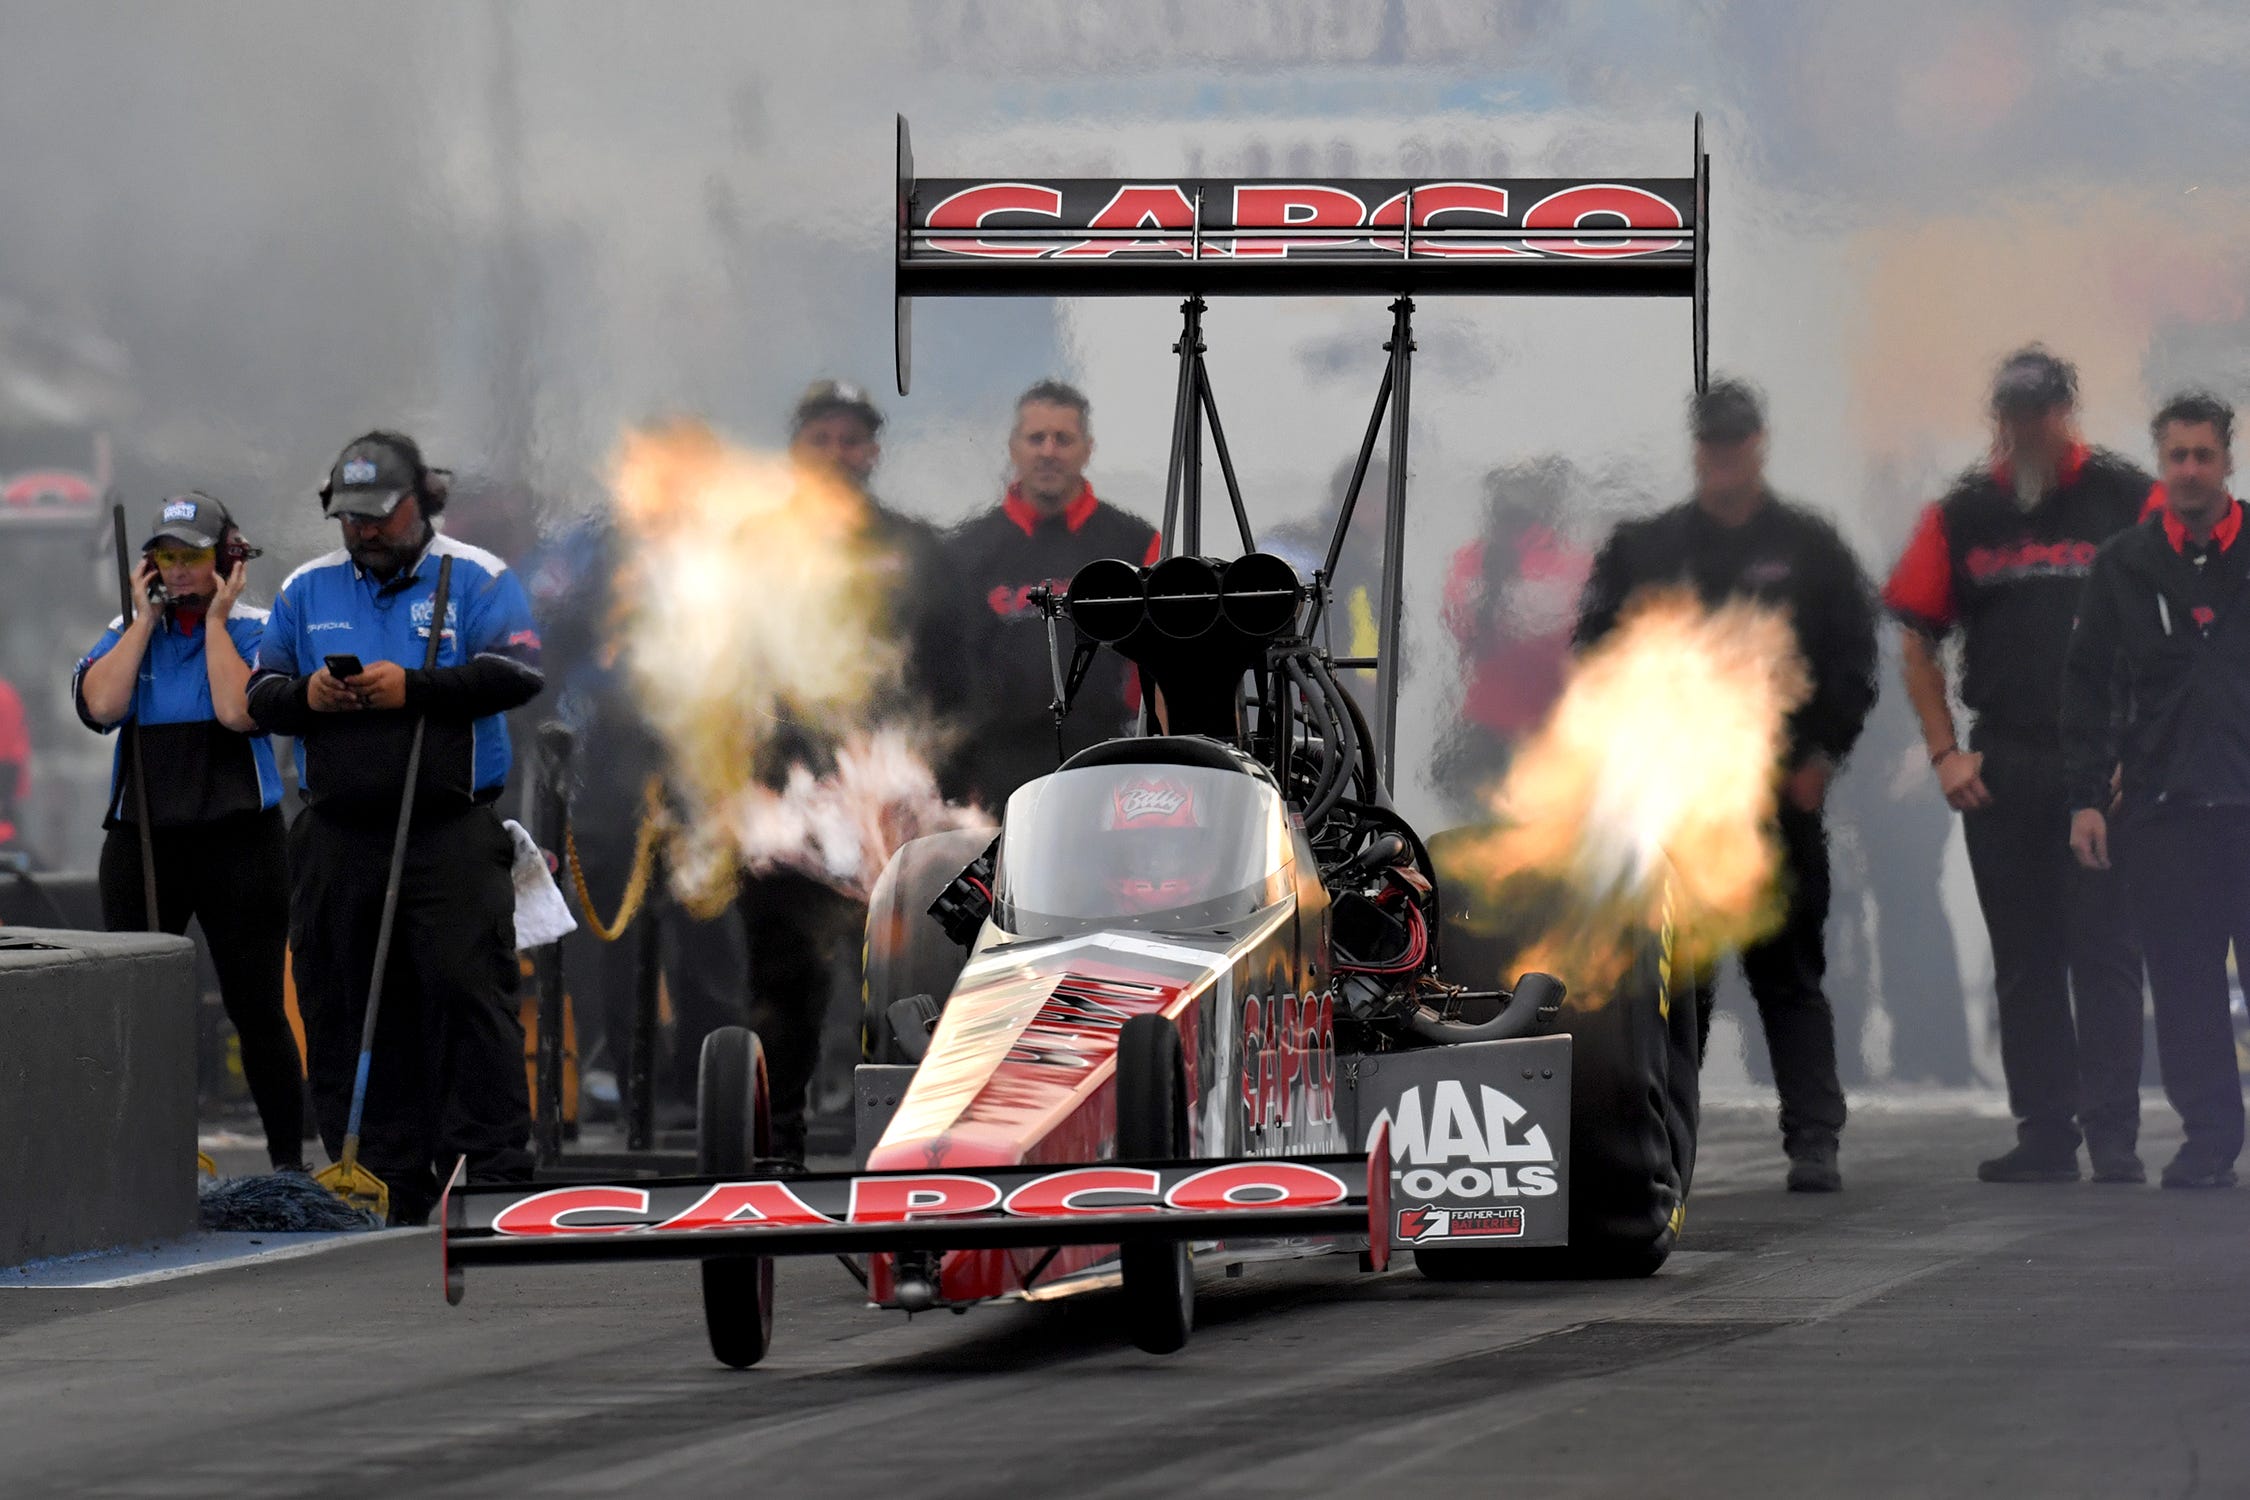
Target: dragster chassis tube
pixel 499 1224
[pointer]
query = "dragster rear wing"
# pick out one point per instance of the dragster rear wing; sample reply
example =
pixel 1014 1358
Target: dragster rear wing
pixel 1085 237
pixel 1390 236
pixel 972 1208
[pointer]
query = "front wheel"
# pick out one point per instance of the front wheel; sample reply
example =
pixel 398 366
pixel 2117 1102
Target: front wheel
pixel 734 1130
pixel 1152 1125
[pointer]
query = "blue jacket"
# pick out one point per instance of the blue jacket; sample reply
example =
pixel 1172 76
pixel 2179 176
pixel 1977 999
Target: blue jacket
pixel 198 769
pixel 488 663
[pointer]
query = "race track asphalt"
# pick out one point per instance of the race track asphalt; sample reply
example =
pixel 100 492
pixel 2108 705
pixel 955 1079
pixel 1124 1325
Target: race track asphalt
pixel 1918 1334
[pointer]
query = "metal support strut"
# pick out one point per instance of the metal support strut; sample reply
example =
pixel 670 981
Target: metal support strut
pixel 1401 347
pixel 555 743
pixel 1183 479
pixel 1391 400
pixel 1193 405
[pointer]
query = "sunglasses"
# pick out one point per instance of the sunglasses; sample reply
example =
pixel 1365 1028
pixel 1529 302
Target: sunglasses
pixel 183 557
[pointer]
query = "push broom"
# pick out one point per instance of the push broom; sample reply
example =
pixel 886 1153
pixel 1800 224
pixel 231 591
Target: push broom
pixel 347 1179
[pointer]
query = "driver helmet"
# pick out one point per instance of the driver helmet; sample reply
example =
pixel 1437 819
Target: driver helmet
pixel 1155 861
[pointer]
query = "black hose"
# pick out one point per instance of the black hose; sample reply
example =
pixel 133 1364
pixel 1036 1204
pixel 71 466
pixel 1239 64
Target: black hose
pixel 1317 718
pixel 1335 769
pixel 1370 774
pixel 1356 741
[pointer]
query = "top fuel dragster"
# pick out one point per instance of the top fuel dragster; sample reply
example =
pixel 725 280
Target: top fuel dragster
pixel 1207 998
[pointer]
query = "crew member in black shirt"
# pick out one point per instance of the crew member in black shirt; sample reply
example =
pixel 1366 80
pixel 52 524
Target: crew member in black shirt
pixel 990 674
pixel 1737 540
pixel 2002 559
pixel 2164 629
pixel 795 925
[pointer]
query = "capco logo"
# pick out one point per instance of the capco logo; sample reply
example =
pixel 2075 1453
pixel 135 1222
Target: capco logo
pixel 1454 1148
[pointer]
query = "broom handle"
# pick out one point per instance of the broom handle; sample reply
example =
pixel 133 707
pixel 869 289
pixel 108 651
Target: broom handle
pixel 133 730
pixel 398 870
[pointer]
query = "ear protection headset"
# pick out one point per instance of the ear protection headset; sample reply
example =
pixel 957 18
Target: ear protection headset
pixel 431 486
pixel 233 549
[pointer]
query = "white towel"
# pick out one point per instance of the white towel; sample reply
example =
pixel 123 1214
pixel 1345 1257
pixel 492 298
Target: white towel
pixel 541 914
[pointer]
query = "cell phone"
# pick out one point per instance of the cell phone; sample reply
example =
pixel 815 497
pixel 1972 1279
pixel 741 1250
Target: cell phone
pixel 341 667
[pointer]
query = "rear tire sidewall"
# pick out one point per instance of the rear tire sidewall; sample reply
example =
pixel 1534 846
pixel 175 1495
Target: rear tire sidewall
pixel 1635 1104
pixel 906 952
pixel 1635 1098
pixel 734 1132
pixel 1152 1125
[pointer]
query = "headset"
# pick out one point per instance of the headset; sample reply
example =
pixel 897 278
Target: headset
pixel 431 486
pixel 234 549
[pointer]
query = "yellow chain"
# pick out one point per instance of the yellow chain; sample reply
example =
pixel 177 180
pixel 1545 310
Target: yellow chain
pixel 653 823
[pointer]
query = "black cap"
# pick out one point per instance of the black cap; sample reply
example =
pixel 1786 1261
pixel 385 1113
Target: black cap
pixel 194 518
pixel 2031 381
pixel 825 396
pixel 1730 411
pixel 372 475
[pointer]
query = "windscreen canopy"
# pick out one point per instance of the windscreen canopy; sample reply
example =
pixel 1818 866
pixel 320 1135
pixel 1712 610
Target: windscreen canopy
pixel 1154 847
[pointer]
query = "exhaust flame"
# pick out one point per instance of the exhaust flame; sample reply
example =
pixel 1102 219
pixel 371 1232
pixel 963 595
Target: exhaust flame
pixel 753 635
pixel 1646 798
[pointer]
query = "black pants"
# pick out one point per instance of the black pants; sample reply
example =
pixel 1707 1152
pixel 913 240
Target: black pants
pixel 233 876
pixel 2066 967
pixel 795 925
pixel 2189 873
pixel 1785 973
pixel 705 974
pixel 447 1074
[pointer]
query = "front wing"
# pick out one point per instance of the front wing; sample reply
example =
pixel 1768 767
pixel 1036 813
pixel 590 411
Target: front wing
pixel 975 1208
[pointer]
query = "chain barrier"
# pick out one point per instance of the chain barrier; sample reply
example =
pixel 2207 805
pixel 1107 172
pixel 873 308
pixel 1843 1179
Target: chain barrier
pixel 655 822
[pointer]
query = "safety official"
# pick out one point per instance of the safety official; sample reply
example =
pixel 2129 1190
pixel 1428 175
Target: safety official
pixel 179 672
pixel 447 1078
pixel 798 929
pixel 2001 560
pixel 992 678
pixel 2158 677
pixel 1735 539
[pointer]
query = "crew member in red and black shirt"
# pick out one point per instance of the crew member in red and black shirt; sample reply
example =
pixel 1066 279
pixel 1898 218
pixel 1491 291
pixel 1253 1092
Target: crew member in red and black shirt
pixel 992 676
pixel 2158 675
pixel 2001 559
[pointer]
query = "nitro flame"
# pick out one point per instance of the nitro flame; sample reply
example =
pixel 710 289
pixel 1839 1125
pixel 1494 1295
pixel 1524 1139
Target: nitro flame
pixel 1647 797
pixel 753 633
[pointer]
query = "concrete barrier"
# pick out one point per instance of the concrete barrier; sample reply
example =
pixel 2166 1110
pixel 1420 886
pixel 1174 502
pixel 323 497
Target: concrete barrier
pixel 97 1090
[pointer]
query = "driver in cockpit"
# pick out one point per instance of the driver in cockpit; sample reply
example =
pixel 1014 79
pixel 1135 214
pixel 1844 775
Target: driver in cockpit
pixel 1151 848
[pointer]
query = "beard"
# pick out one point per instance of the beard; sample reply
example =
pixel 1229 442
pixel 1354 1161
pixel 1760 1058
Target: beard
pixel 383 558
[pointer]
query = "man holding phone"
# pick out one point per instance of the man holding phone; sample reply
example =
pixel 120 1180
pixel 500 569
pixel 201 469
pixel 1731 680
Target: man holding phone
pixel 447 1077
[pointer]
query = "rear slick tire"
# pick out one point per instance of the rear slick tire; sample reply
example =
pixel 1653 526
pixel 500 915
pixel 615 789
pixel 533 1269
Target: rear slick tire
pixel 1635 1102
pixel 907 952
pixel 1152 1125
pixel 734 1130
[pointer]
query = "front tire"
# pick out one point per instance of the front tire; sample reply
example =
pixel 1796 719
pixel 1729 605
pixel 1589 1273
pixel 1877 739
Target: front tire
pixel 734 1131
pixel 1152 1125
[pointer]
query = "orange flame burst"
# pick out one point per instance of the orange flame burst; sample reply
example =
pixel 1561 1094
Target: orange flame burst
pixel 753 631
pixel 1647 797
